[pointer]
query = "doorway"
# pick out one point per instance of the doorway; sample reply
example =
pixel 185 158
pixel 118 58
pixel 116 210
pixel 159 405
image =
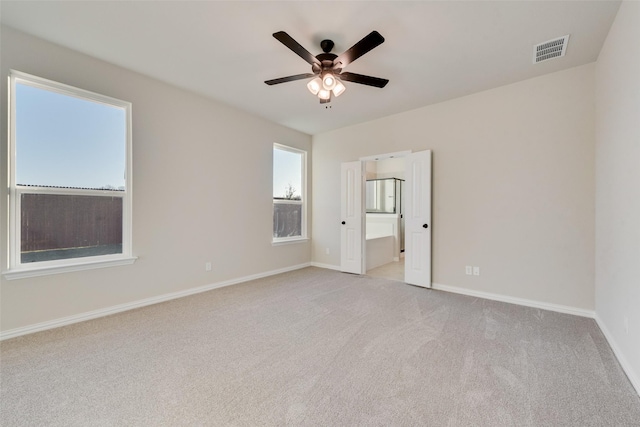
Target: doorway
pixel 384 217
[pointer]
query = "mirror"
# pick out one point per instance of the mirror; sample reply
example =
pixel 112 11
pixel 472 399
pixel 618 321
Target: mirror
pixel 381 195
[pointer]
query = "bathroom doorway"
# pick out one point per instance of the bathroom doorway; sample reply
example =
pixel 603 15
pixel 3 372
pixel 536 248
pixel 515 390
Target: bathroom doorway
pixel 384 217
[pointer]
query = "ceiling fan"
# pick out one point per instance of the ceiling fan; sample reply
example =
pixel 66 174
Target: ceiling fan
pixel 327 68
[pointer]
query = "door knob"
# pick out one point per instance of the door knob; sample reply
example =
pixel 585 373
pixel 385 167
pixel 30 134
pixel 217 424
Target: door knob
pixel 343 223
pixel 425 226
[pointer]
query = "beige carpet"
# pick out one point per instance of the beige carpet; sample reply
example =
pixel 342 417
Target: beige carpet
pixel 322 348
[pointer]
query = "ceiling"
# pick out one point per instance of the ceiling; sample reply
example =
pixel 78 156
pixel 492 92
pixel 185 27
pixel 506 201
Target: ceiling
pixel 434 51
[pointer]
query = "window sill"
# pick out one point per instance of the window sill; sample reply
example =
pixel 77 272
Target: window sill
pixel 45 271
pixel 289 241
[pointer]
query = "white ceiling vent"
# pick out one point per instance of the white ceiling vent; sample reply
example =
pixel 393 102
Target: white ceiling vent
pixel 551 49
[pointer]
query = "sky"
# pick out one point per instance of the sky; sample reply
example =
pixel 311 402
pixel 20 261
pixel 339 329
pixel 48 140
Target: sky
pixel 287 169
pixel 66 141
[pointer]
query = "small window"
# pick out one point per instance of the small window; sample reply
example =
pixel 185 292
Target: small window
pixel 289 188
pixel 70 179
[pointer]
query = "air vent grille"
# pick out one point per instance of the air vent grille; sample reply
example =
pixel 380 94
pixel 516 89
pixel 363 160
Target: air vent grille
pixel 551 49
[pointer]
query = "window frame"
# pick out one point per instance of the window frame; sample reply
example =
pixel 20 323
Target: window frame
pixel 17 269
pixel 303 196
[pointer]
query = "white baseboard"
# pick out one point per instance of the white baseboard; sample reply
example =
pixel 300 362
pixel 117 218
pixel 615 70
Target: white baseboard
pixel 513 300
pixel 76 318
pixel 626 367
pixel 327 266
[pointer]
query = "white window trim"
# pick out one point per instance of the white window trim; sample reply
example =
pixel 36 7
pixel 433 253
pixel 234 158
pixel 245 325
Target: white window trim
pixel 303 194
pixel 18 270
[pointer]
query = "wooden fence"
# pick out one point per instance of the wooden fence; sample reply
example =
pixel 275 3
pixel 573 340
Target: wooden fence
pixel 287 219
pixel 52 221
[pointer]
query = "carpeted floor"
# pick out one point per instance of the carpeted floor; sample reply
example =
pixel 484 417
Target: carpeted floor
pixel 322 348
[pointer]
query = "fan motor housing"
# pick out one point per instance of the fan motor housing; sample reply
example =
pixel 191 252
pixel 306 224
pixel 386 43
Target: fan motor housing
pixel 322 57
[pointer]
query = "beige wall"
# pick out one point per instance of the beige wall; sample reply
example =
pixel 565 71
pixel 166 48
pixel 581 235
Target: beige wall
pixel 618 188
pixel 513 186
pixel 389 168
pixel 201 191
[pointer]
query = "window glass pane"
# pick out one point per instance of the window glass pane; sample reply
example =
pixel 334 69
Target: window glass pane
pixel 64 141
pixel 62 226
pixel 288 193
pixel 287 219
pixel 287 175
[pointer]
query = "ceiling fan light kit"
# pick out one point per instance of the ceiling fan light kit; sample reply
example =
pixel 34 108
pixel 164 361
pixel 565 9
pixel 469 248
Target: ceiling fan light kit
pixel 327 68
pixel 326 86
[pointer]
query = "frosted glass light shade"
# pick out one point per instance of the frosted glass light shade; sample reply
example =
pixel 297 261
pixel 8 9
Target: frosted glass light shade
pixel 328 81
pixel 324 94
pixel 314 85
pixel 339 88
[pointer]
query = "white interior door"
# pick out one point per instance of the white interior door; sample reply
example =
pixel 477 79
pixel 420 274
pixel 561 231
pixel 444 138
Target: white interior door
pixel 351 260
pixel 417 217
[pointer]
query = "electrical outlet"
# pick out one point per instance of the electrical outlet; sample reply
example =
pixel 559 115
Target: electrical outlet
pixel 476 271
pixel 326 251
pixel 207 266
pixel 468 270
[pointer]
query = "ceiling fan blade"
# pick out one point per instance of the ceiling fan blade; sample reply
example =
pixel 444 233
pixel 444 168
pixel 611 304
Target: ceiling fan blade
pixel 289 42
pixel 364 80
pixel 289 78
pixel 373 39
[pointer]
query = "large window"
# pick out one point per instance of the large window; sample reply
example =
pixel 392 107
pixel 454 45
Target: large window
pixel 70 178
pixel 289 187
